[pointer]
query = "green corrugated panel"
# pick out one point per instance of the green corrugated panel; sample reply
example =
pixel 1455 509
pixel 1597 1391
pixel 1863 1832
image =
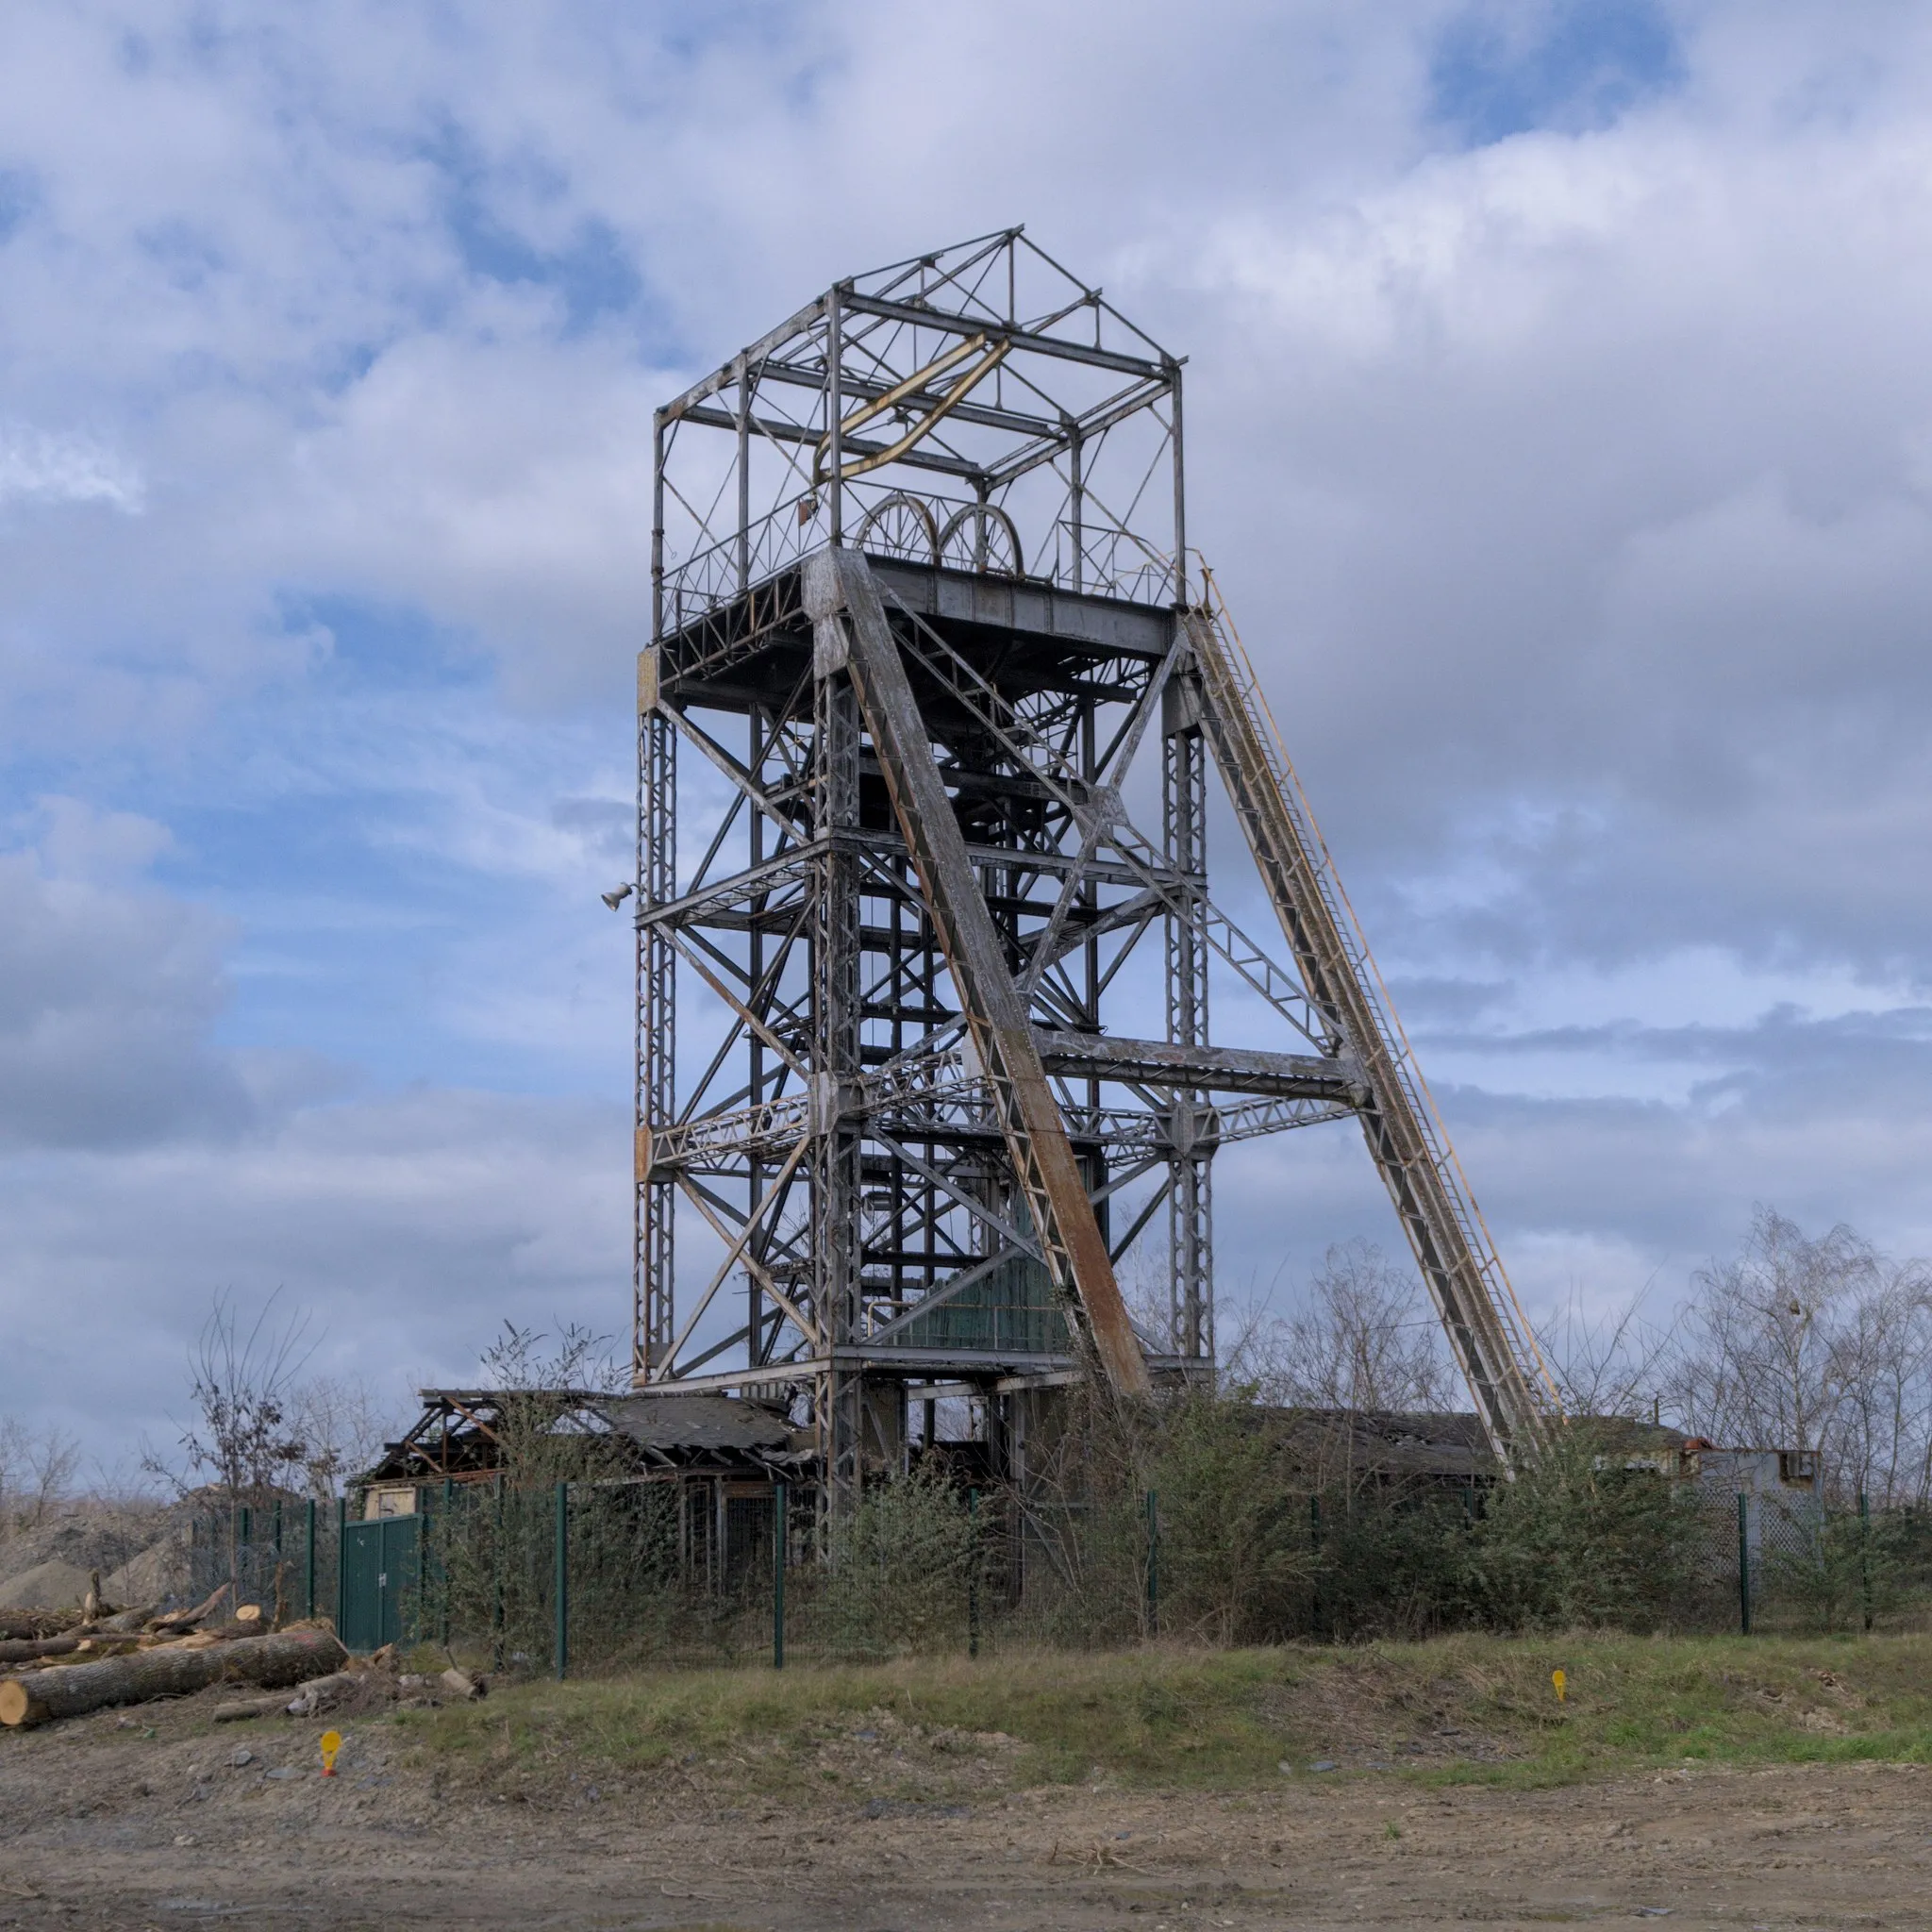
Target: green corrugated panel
pixel 1012 1307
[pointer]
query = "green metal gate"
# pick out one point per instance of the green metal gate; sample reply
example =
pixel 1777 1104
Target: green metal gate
pixel 382 1564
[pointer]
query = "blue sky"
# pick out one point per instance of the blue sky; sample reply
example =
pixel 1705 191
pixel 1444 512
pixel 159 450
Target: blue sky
pixel 1560 427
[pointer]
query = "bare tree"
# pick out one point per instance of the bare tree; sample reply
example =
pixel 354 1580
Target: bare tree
pixel 1820 1343
pixel 1880 1441
pixel 1607 1363
pixel 581 1359
pixel 341 1428
pixel 37 1470
pixel 1365 1336
pixel 1765 1361
pixel 243 1383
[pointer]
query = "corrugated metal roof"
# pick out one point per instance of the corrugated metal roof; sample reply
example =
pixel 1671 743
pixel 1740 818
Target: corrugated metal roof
pixel 694 1422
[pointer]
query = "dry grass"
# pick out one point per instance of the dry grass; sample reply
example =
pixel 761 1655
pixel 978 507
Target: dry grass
pixel 1458 1708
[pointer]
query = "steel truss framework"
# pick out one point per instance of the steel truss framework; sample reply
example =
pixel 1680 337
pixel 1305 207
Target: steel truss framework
pixel 918 616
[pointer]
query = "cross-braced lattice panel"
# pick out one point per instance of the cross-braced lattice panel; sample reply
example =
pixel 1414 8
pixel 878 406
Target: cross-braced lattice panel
pixel 979 407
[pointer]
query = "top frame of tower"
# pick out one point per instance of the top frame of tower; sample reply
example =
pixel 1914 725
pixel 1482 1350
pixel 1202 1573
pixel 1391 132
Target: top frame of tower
pixel 978 409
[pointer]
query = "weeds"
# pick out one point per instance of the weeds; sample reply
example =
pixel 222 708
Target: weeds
pixel 1461 1708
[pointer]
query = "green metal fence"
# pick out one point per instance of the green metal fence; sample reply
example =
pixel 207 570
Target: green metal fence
pixel 281 1554
pixel 599 1577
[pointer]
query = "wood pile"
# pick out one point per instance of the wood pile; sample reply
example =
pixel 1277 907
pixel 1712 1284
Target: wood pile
pixel 128 1656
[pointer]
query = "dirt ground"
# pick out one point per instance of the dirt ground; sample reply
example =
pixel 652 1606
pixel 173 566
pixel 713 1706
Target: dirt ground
pixel 126 1822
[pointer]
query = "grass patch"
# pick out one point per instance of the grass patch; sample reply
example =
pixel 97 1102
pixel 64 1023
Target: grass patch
pixel 1454 1709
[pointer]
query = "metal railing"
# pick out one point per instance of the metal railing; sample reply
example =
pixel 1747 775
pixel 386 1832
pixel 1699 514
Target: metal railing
pixel 1320 923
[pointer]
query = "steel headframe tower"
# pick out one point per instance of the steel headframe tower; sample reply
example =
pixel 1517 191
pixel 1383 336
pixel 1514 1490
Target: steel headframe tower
pixel 920 605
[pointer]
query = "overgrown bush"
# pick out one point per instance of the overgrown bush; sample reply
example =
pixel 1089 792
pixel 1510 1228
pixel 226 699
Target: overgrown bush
pixel 1579 1538
pixel 1847 1569
pixel 1261 1538
pixel 902 1573
pixel 1391 1558
pixel 1234 1556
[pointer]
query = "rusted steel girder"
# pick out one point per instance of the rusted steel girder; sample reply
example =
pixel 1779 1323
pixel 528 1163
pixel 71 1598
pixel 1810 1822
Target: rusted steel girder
pixel 851 630
pixel 1212 1069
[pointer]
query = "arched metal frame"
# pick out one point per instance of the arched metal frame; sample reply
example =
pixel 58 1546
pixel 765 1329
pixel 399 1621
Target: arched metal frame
pixel 876 521
pixel 986 520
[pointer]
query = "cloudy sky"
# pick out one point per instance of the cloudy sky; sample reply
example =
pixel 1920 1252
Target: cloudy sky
pixel 1560 425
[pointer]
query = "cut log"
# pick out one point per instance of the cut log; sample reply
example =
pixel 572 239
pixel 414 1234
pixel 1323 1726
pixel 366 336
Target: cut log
pixel 20 1650
pixel 187 1619
pixel 26 1650
pixel 85 1650
pixel 462 1683
pixel 26 1625
pixel 239 1714
pixel 126 1620
pixel 248 1613
pixel 324 1693
pixel 287 1657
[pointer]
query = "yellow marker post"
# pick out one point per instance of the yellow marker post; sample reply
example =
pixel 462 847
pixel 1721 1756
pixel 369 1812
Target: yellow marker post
pixel 332 1743
pixel 1562 1682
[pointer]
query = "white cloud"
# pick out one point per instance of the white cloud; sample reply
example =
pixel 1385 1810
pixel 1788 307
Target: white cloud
pixel 38 466
pixel 1574 492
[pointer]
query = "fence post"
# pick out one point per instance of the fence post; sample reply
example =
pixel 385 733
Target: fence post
pixel 442 1537
pixel 1743 1563
pixel 780 1529
pixel 1153 1565
pixel 309 1564
pixel 1865 1557
pixel 342 1565
pixel 562 1588
pixel 973 1572
pixel 425 1525
pixel 496 1617
pixel 1314 1563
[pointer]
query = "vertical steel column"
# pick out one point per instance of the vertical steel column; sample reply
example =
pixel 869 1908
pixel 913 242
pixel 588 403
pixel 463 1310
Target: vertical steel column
pixel 1076 503
pixel 652 1250
pixel 657 527
pixel 758 744
pixel 743 473
pixel 840 1413
pixel 836 1067
pixel 835 411
pixel 1180 494
pixel 1190 1210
